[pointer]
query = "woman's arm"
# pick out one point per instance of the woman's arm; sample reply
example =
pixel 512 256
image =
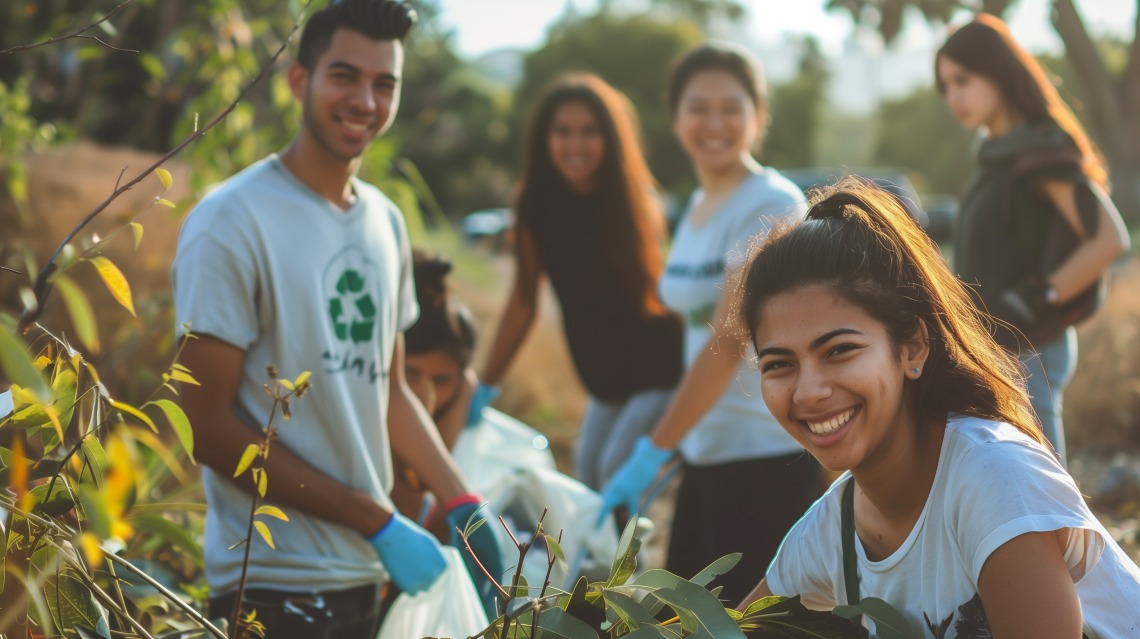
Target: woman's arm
pixel 705 381
pixel 1027 591
pixel 518 316
pixel 1094 254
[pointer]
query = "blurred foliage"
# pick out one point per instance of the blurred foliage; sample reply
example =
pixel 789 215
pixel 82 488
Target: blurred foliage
pixel 919 132
pixel 797 112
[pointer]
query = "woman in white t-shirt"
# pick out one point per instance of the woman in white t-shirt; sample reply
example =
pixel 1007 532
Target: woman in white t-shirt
pixel 873 357
pixel 727 440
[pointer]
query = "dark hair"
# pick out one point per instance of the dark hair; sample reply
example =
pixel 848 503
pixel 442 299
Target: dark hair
pixel 624 185
pixel 376 19
pixel 444 323
pixel 859 241
pixel 986 47
pixel 718 56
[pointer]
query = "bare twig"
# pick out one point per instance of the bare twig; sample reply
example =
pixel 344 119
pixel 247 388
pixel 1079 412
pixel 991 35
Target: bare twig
pixel 78 34
pixel 42 287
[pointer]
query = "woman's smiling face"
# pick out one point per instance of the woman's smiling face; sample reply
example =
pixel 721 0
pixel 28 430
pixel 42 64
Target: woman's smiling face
pixel 835 379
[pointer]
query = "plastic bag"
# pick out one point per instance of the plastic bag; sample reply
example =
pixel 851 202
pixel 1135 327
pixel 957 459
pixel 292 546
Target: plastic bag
pixel 570 507
pixel 449 608
pixel 489 451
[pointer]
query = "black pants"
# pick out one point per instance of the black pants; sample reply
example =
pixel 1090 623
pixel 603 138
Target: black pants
pixel 342 614
pixel 744 507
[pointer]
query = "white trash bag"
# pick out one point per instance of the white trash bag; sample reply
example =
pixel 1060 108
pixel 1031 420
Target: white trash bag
pixel 450 607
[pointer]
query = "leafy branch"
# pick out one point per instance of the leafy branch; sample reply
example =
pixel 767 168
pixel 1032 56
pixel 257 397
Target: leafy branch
pixel 80 34
pixel 43 284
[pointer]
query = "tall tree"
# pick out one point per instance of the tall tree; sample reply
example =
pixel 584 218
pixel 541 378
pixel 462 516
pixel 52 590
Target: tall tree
pixel 1113 97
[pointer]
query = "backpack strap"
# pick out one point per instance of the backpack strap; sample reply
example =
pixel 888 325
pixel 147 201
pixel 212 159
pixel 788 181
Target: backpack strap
pixel 847 525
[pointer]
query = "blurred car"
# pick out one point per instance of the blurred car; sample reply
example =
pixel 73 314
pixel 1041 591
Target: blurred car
pixel 492 228
pixel 893 181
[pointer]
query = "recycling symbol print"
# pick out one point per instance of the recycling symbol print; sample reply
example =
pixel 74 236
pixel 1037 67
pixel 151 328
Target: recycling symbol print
pixel 352 310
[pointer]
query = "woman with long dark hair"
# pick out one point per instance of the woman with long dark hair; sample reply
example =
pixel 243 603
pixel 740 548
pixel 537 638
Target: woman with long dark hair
pixel 1036 231
pixel 589 221
pixel 726 440
pixel 951 507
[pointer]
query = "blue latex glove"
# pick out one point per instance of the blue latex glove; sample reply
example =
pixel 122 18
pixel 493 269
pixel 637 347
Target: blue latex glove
pixel 410 554
pixel 635 476
pixel 482 397
pixel 486 548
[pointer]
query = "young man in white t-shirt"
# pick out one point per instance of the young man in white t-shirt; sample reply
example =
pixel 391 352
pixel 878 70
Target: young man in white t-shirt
pixel 296 263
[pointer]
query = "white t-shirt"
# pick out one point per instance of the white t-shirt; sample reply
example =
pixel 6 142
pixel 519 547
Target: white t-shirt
pixel 266 264
pixel 739 425
pixel 993 483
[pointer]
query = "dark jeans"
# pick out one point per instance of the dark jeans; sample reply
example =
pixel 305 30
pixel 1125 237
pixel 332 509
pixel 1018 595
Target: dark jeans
pixel 344 614
pixel 746 507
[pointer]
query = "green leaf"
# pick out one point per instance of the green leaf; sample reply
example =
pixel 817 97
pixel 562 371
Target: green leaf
pixel 702 615
pixel 79 308
pixel 787 617
pixel 95 510
pixel 555 548
pixel 72 604
pixel 18 367
pixel 178 536
pixel 889 623
pixel 629 610
pixel 115 281
pixel 247 458
pixel 625 561
pixel 136 413
pixel 179 422
pixel 264 530
pixel 716 569
pixel 137 230
pixel 556 623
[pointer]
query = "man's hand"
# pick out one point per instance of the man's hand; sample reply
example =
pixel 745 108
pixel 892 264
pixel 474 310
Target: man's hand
pixel 410 554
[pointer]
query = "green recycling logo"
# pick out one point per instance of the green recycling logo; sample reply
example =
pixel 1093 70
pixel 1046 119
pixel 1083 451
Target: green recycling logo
pixel 352 309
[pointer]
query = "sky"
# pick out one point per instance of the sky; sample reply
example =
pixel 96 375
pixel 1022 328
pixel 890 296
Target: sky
pixel 480 27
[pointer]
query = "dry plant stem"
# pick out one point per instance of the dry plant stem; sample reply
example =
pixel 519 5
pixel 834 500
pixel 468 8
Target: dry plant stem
pixel 254 505
pixel 42 287
pixel 173 598
pixel 78 34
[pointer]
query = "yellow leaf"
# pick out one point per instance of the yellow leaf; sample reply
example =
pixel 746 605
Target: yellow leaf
pixel 184 377
pixel 262 483
pixel 179 367
pixel 136 413
pixel 115 281
pixel 272 511
pixel 41 362
pixel 137 229
pixel 247 458
pixel 302 378
pixel 91 549
pixel 264 530
pixel 18 475
pixel 165 202
pixel 53 415
pixel 155 443
pixel 164 175
pixel 286 383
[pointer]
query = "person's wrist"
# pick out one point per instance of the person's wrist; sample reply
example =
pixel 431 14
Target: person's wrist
pixel 649 449
pixel 383 529
pixel 466 499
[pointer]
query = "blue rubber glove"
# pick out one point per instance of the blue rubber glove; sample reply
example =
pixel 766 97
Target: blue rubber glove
pixel 410 554
pixel 485 546
pixel 635 476
pixel 482 397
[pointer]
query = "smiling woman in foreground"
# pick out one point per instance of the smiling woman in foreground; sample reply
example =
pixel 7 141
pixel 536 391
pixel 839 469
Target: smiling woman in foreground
pixel 873 357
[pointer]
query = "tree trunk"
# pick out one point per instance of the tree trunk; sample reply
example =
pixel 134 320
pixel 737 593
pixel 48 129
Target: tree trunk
pixel 1111 105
